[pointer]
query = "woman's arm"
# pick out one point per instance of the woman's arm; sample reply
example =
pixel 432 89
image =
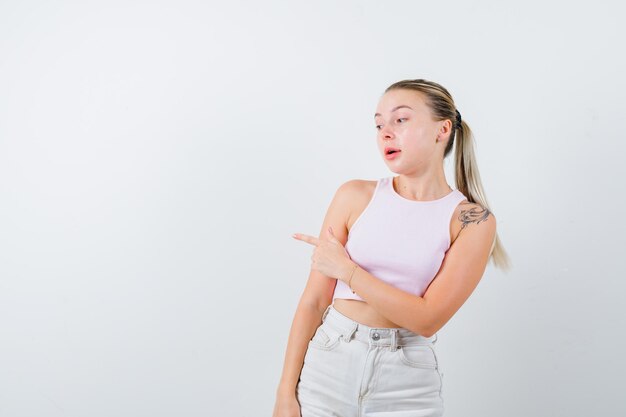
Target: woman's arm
pixel 317 295
pixel 461 270
pixel 303 327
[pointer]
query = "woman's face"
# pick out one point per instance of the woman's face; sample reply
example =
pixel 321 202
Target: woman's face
pixel 404 122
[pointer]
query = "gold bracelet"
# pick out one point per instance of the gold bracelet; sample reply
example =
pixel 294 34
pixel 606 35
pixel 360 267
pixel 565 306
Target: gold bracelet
pixel 352 276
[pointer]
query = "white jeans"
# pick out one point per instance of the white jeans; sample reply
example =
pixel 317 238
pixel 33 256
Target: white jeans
pixel 352 370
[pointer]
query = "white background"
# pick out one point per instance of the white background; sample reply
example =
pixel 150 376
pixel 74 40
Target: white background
pixel 155 158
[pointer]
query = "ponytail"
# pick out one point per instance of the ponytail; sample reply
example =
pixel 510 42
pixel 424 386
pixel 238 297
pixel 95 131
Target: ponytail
pixel 469 183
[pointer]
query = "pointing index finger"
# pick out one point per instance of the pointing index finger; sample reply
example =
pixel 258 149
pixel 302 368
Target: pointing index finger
pixel 306 238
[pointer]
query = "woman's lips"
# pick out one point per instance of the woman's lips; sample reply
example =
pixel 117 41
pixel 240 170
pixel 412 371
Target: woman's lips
pixel 391 156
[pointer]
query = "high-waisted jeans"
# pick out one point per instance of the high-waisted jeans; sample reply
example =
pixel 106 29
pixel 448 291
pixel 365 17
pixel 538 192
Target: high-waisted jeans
pixel 352 370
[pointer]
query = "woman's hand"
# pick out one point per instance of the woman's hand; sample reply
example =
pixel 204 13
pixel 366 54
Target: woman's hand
pixel 330 257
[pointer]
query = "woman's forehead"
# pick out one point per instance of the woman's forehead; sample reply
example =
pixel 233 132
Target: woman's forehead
pixel 396 99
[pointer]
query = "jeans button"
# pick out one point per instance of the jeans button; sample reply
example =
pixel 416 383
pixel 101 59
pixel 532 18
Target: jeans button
pixel 375 336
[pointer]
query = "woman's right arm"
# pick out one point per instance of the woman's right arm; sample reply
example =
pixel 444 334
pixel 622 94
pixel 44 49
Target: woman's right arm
pixel 306 320
pixel 316 297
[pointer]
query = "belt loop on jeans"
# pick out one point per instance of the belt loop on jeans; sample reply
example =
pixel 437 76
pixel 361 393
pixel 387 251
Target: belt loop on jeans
pixel 394 339
pixel 326 312
pixel 348 336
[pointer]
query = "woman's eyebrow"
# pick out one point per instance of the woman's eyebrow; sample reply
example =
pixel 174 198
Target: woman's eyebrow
pixel 394 109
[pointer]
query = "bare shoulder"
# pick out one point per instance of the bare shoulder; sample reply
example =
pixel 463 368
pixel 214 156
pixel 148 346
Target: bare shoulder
pixel 358 187
pixel 468 214
pixel 348 198
pixel 357 194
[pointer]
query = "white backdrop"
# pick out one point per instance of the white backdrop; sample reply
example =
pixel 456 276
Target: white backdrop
pixel 155 158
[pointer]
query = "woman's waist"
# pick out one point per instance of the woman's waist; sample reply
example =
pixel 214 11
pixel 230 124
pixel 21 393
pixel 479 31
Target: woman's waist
pixel 362 312
pixel 348 317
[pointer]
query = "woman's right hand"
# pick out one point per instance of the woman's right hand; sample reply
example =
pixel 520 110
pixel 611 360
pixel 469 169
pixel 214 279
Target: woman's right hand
pixel 286 406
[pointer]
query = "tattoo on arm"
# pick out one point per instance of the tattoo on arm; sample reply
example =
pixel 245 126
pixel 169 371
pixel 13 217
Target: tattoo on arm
pixel 476 214
pixel 473 215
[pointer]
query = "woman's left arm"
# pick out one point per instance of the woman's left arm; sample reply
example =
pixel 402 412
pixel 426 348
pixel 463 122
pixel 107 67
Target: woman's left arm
pixel 461 270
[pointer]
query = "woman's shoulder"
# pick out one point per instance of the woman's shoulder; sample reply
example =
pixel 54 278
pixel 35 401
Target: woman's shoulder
pixel 467 213
pixel 358 188
pixel 357 193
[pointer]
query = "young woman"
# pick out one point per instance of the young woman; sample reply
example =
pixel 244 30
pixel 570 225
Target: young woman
pixel 362 339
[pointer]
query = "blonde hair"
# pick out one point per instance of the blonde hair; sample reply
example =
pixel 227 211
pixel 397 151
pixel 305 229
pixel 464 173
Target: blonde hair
pixel 466 170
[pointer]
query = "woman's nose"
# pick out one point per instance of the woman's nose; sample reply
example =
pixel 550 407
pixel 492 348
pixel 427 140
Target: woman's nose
pixel 386 132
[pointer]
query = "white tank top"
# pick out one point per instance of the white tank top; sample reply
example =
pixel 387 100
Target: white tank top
pixel 400 241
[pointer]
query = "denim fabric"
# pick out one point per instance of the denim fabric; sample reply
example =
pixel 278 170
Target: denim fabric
pixel 352 370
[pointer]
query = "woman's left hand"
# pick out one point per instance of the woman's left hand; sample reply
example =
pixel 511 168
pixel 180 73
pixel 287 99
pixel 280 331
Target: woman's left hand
pixel 330 256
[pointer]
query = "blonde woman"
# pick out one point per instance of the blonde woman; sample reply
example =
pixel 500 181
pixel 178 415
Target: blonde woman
pixel 395 259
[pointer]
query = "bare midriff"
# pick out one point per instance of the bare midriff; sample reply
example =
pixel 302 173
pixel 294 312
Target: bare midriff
pixel 361 312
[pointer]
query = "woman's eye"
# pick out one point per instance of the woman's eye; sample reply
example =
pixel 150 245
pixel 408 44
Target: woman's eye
pixel 402 118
